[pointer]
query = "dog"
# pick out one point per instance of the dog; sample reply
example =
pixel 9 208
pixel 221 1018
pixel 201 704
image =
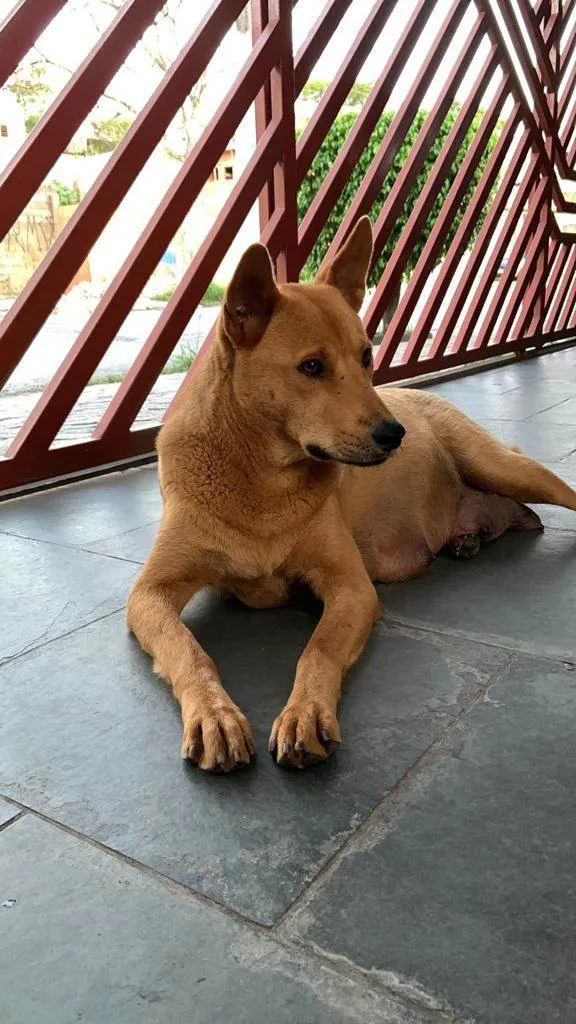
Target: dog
pixel 283 465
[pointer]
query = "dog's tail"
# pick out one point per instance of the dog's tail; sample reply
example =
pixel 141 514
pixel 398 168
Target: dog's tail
pixel 491 465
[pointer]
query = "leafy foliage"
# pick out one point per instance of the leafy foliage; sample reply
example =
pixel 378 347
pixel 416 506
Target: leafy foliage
pixel 315 89
pixel 30 88
pixel 66 196
pixel 107 134
pixel 329 151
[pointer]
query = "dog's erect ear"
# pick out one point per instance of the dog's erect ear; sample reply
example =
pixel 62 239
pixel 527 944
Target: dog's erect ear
pixel 250 298
pixel 349 269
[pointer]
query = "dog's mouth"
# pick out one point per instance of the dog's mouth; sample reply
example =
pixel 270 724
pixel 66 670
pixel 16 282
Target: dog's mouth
pixel 348 458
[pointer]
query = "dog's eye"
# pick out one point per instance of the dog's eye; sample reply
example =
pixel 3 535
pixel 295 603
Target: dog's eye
pixel 367 356
pixel 312 367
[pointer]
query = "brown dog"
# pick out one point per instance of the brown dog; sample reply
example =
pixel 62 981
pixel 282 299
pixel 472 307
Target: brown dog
pixel 265 478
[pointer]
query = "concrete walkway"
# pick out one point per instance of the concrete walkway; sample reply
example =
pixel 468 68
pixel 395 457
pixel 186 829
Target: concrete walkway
pixel 427 875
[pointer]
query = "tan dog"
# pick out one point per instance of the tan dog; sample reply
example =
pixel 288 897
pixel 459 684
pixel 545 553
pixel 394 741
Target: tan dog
pixel 265 478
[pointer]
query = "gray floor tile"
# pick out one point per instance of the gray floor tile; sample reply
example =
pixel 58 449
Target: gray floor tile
pixel 108 762
pixel 518 591
pixel 546 442
pixel 88 511
pixel 469 886
pixel 561 412
pixel 134 545
pixel 7 811
pixel 53 589
pixel 89 938
pixel 560 518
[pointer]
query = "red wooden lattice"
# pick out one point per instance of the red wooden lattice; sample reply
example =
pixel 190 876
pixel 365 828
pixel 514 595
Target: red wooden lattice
pixel 502 287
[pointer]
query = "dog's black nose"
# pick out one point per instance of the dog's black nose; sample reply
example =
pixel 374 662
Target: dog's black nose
pixel 388 434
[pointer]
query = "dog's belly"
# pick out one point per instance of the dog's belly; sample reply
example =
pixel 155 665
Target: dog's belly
pixel 403 512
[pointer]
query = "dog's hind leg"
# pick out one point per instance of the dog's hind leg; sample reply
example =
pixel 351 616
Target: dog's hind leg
pixel 483 517
pixel 490 465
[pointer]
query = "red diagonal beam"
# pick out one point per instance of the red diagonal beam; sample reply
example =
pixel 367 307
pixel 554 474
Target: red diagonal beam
pixel 569 309
pixel 519 249
pixel 561 293
pixel 338 89
pixel 462 237
pixel 28 168
pixel 528 116
pixel 316 41
pixel 154 354
pixel 532 290
pixel 20 29
pixel 37 300
pixel 367 120
pixel 481 288
pixel 530 22
pixel 419 214
pixel 555 278
pixel 94 340
pixel 527 286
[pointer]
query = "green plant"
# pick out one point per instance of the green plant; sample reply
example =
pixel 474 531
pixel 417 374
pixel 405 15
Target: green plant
pixel 212 296
pixel 107 134
pixel 181 360
pixel 327 154
pixel 66 196
pixel 315 89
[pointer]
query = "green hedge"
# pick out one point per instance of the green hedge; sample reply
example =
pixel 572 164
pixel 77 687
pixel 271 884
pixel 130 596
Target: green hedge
pixel 329 151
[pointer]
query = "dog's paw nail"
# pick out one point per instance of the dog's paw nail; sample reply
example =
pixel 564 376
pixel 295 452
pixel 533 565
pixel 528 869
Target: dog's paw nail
pixel 299 745
pixel 285 748
pixel 191 751
pixel 326 736
pixel 271 745
pixel 220 758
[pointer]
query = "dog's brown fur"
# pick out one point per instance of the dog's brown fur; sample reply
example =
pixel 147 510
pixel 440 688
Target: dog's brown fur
pixel 247 509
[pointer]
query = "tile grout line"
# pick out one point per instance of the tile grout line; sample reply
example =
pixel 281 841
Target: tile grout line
pixel 393 622
pixel 5 662
pixel 17 817
pixel 353 971
pixel 78 547
pixel 393 801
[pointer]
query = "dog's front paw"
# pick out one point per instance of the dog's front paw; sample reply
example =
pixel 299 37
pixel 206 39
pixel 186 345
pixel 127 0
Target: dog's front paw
pixel 217 738
pixel 303 735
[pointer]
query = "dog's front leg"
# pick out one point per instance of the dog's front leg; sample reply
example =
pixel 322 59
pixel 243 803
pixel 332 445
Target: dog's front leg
pixel 216 735
pixel 307 730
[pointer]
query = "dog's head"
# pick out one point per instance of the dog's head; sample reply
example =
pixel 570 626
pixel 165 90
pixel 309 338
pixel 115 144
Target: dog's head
pixel 302 359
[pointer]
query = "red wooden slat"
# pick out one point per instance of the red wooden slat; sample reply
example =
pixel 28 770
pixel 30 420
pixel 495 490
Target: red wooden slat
pixel 518 250
pixel 20 29
pixel 562 292
pixel 554 283
pixel 316 41
pixel 61 395
pixel 341 84
pixel 137 384
pixel 25 318
pixel 467 282
pixel 530 21
pixel 429 255
pixel 529 317
pixel 524 287
pixel 363 127
pixel 462 237
pixel 417 219
pixel 27 170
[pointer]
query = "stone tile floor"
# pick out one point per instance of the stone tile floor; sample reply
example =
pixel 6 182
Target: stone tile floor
pixel 427 874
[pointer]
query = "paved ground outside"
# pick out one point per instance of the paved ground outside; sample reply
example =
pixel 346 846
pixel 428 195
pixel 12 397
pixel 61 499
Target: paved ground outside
pixel 425 876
